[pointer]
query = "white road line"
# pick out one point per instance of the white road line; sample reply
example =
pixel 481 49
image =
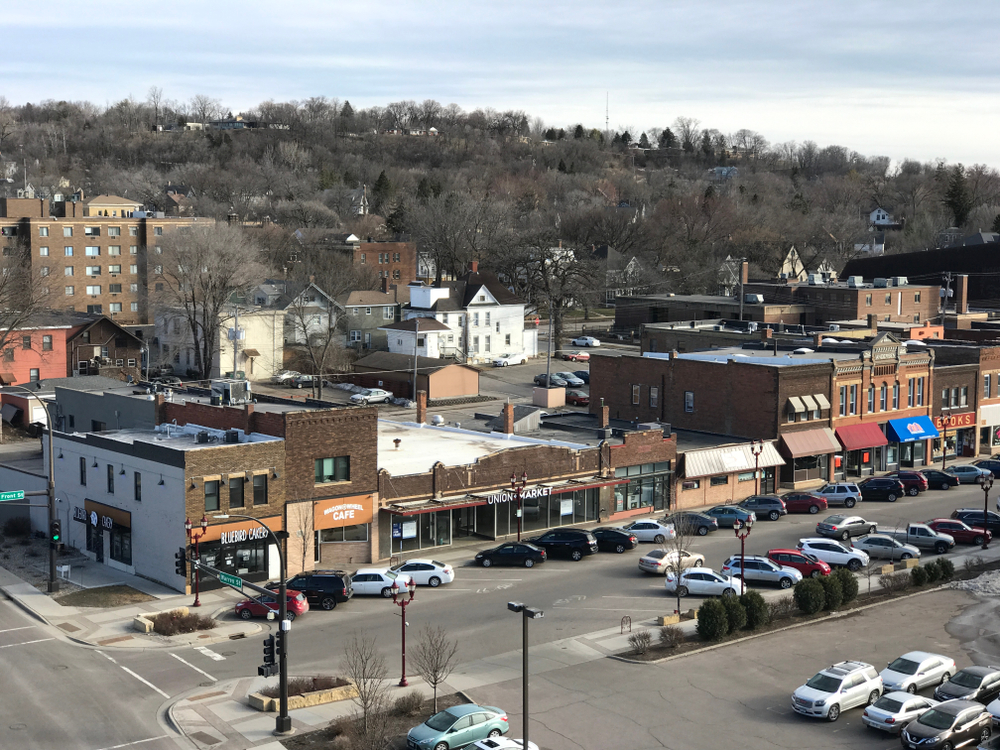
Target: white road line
pixel 489 580
pixel 137 742
pixel 209 653
pixel 602 609
pixel 143 680
pixel 25 643
pixel 182 661
pixel 110 659
pixel 624 597
pixel 9 630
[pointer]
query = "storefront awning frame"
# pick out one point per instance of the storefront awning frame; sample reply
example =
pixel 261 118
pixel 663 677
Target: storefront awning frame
pixel 911 429
pixel 859 436
pixel 815 442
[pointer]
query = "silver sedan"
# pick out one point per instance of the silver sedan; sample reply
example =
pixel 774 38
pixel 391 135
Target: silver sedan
pixel 882 547
pixel 893 711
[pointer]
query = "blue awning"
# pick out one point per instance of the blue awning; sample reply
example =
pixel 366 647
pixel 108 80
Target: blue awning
pixel 911 429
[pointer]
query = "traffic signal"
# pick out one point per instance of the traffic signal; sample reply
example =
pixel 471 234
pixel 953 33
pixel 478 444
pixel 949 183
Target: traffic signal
pixel 279 646
pixel 180 562
pixel 269 650
pixel 55 532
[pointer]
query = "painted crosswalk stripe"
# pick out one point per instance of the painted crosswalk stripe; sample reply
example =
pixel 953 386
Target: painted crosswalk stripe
pixel 25 643
pixel 143 680
pixel 201 671
pixel 210 654
pixel 9 630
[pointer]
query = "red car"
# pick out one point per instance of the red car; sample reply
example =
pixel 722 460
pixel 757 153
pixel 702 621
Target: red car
pixel 578 398
pixel 803 562
pixel 960 530
pixel 804 502
pixel 296 605
pixel 576 356
pixel 913 481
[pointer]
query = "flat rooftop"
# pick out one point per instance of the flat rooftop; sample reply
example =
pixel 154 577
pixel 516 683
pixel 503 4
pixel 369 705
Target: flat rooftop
pixel 262 403
pixel 178 437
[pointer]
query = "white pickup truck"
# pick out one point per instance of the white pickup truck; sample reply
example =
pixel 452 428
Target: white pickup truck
pixel 923 537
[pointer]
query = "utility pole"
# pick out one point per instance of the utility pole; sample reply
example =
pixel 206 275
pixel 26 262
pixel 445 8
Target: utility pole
pixel 416 338
pixel 945 293
pixel 742 261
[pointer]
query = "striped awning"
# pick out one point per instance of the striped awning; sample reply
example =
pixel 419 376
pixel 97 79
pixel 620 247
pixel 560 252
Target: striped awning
pixel 729 460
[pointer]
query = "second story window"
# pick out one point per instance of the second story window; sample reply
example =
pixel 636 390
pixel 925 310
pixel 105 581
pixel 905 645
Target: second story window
pixel 212 495
pixel 236 492
pixel 337 469
pixel 986 385
pixel 260 489
pixel 111 479
pixel 83 471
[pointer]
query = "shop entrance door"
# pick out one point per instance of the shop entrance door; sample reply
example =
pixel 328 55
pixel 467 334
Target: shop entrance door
pixel 463 523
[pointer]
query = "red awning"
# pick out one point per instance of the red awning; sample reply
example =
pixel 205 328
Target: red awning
pixel 809 442
pixel 859 436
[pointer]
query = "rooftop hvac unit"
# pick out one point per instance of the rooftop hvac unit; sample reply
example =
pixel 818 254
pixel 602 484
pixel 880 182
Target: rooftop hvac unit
pixel 202 436
pixel 815 278
pixel 232 436
pixel 855 282
pixel 833 327
pixel 753 299
pixel 881 283
pixel 899 281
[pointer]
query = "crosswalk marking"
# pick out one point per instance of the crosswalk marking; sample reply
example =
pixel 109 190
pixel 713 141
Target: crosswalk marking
pixel 183 661
pixel 209 653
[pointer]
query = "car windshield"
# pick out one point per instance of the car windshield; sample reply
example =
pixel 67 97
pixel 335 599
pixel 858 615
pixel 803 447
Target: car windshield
pixel 657 554
pixel 888 704
pixel 824 683
pixel 967 679
pixel 833 520
pixel 441 721
pixel 904 666
pixel 936 719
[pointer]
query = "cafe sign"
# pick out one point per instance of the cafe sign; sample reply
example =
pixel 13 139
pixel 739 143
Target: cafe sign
pixel 342 511
pixel 509 496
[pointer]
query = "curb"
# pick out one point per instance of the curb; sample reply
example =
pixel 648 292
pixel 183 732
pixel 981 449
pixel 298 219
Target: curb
pixel 26 608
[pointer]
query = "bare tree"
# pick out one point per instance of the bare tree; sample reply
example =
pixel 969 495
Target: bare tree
pixel 434 658
pixel 23 292
pixel 204 108
pixel 366 668
pixel 678 555
pixel 154 98
pixel 316 327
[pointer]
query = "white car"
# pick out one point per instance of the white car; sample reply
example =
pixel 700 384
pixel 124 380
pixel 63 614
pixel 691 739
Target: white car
pixel 502 743
pixel 651 531
pixel 834 553
pixel 284 376
pixel 377 581
pixel 585 341
pixel 894 710
pixel 916 670
pixel 660 561
pixel 510 359
pixel 703 582
pixel 426 572
pixel 837 688
pixel 372 396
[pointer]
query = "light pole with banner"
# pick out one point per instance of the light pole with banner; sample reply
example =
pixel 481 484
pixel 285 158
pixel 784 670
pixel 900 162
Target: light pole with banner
pixel 986 482
pixel 742 530
pixel 197 555
pixel 527 613
pixel 518 488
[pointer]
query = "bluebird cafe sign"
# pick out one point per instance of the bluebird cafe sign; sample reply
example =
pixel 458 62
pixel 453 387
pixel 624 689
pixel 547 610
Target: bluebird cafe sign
pixel 236 536
pixel 509 496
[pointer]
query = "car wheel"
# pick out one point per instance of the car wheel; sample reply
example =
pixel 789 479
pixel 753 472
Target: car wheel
pixel 985 734
pixel 845 536
pixel 576 555
pixel 947 746
pixel 945 485
pixel 873 529
pixel 912 492
pixel 785 583
pixel 620 548
pixel 434 582
pixel 854 566
pixel 441 746
pixel 832 715
pixel 849 503
pixel 940 548
pixel 813 509
pixel 659 539
pixel 891 497
pixel 945 677
pixel 682 591
pixel 246 614
pixel 387 592
pixel 702 530
pixel 911 688
pixel 504 363
pixel 290 616
pixel 905 556
pixel 529 563
pixel 978 540
pixel 873 696
pixel 729 592
pixel 494 733
pixel 774 515
pixel 815 574
pixel 328 603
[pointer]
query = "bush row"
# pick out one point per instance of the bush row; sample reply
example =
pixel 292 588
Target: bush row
pixel 717 618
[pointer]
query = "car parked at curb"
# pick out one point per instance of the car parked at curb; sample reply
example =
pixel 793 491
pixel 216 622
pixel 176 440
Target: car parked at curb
pixel 760 569
pixel 881 488
pixel 578 398
pixel 506 360
pixel 692 522
pixel 770 507
pixel 844 527
pixel 974 517
pixel 372 396
pixel 377 581
pixel 426 572
pixel 837 688
pixel 916 670
pixel 834 553
pixel 703 582
pixel 727 514
pixel 991 465
pixel 585 341
pixel 614 540
pixel 283 376
pixel 324 588
pixel 660 561
pixel 950 724
pixel 894 710
pixel 960 531
pixel 512 553
pixel 295 605
pixel 804 502
pixel 913 481
pixel 572 543
pixel 803 562
pixel 967 473
pixel 457 727
pixel 651 531
pixel 940 480
pixel 840 493
pixel 882 547
pixel 584 375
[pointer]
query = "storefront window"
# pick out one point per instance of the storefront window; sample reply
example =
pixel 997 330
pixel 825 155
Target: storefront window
pixel 356 533
pixel 247 559
pixel 805 468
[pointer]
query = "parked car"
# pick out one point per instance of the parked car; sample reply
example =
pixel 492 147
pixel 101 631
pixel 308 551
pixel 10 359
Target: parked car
pixel 377 581
pixel 916 670
pixel 426 572
pixel 284 375
pixel 960 531
pixel 974 517
pixel 922 536
pixel 991 465
pixel 838 688
pixel 457 727
pixel 325 588
pixel 502 743
pixel 844 527
pixel 703 582
pixel 170 381
pixel 301 381
pixel 940 480
pixel 847 494
pixel 512 553
pixel 651 531
pixel 972 683
pixel 585 341
pixel 692 522
pixel 881 488
pixel 804 502
pixel 584 375
pixel 578 398
pixel 883 547
pixel 505 360
pixel 573 543
pixel 295 605
pixel 834 553
pixel 372 396
pixel 894 710
pixel 661 560
pixel 913 481
pixel 760 569
pixel 948 725
pixel 770 507
pixel 727 514
pixel 803 562
pixel 615 540
pixel 571 379
pixel 576 356
pixel 557 382
pixel 967 473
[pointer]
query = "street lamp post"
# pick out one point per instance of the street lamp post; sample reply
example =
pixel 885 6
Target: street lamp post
pixel 527 613
pixel 986 482
pixel 197 571
pixel 945 421
pixel 402 602
pixel 282 722
pixel 518 487
pixel 742 530
pixel 756 447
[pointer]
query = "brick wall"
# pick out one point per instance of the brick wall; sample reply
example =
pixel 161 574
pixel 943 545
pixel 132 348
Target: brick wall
pixel 230 459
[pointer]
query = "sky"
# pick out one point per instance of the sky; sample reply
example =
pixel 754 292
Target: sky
pixel 906 79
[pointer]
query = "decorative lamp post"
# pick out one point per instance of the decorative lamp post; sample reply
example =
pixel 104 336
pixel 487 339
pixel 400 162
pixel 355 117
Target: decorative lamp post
pixel 528 613
pixel 402 602
pixel 518 488
pixel 986 482
pixel 945 422
pixel 197 571
pixel 756 447
pixel 742 530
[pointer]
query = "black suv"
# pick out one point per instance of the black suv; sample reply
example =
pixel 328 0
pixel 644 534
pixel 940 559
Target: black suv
pixel 766 506
pixel 974 517
pixel 949 724
pixel 571 542
pixel 882 488
pixel 325 588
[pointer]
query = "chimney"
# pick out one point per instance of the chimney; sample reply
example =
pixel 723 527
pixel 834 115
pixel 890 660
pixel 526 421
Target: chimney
pixel 421 407
pixel 766 333
pixel 604 416
pixel 508 418
pixel 385 285
pixel 744 272
pixel 873 323
pixel 248 418
pixel 474 266
pixel 962 294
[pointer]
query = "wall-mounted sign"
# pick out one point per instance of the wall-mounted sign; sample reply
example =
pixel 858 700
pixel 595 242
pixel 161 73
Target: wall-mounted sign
pixel 236 536
pixel 342 511
pixel 102 516
pixel 79 514
pixel 249 531
pixel 509 496
pixel 956 421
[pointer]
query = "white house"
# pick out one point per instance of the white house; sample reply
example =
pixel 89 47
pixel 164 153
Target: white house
pixel 312 312
pixel 432 338
pixel 880 217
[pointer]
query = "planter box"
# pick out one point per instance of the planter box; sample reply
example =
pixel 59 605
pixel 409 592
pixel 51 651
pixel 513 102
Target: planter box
pixel 691 614
pixel 144 623
pixel 905 564
pixel 263 703
pixel 887 569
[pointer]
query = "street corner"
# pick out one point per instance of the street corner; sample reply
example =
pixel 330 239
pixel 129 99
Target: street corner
pixel 194 714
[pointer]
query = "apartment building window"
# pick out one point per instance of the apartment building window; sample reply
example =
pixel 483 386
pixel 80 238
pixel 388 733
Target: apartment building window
pixel 115 307
pixel 43 251
pixel 654 397
pixel 337 469
pixel 133 269
pixel 954 397
pixel 133 249
pixel 871 399
pixel 111 479
pixel 388 313
pixel 8 355
pixel 158 231
pixel 137 486
pixel 236 492
pixel 916 296
pixel 363 258
pixel 46 343
pixel 133 231
pixel 26 342
pixel 486 345
pixel 134 307
pixel 475 344
pixel 93 270
pixel 83 471
pixel 506 340
pixel 888 299
pixel 636 389
pixel 92 251
pixel 883 397
pixel 487 319
pixel 909 392
pixel 67 231
pixel 260 489
pixel 33 375
pixel 69 291
pixel 45 271
pixel 868 300
pixel 68 271
pixel 43 231
pixel 158 270
pixel 475 319
pixel 895 395
pixel 854 399
pixel 944 398
pixel 115 270
pixel 68 251
pixel 963 396
pixel 843 400
pixel 114 249
pixel 920 392
pixel 114 231
pixel 355 336
pixel 115 288
pixel 986 386
pixel 95 309
pixel 92 231
pixel 212 495
pixel 689 401
pixel 395 274
pixel 916 317
pixel 368 311
pixel 94 289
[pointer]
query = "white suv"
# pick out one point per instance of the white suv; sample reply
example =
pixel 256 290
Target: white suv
pixel 840 493
pixel 834 553
pixel 842 686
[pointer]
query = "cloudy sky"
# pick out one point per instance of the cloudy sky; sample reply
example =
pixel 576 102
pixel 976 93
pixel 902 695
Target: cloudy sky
pixel 911 78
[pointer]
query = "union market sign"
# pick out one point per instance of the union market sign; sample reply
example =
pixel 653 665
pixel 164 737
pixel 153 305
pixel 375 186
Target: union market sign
pixel 508 496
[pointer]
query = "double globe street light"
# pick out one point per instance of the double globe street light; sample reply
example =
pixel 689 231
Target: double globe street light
pixel 402 602
pixel 742 531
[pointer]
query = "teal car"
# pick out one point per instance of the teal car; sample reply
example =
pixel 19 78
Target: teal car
pixel 457 727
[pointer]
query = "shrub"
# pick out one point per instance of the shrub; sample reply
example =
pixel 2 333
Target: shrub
pixel 735 613
pixel 781 608
pixel 757 611
pixel 893 583
pixel 933 571
pixel 919 576
pixel 713 622
pixel 303 685
pixel 974 565
pixel 809 595
pixel 17 526
pixel 848 584
pixel 671 636
pixel 833 592
pixel 640 641
pixel 947 568
pixel 410 704
pixel 172 623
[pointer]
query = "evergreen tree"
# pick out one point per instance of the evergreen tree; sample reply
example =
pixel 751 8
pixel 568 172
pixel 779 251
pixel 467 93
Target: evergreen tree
pixel 395 222
pixel 380 192
pixel 424 190
pixel 578 132
pixel 562 166
pixel 643 141
pixel 668 139
pixel 626 138
pixel 996 224
pixel 347 112
pixel 561 135
pixel 550 134
pixel 957 198
pixel 706 146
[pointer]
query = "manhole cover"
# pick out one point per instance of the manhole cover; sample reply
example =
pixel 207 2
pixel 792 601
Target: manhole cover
pixel 60 667
pixel 229 653
pixel 18 727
